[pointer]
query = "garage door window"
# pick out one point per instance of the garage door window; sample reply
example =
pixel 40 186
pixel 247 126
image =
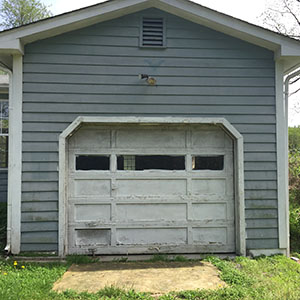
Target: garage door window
pixel 215 163
pixel 92 162
pixel 150 162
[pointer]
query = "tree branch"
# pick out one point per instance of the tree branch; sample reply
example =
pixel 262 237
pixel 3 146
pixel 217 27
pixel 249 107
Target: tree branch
pixel 291 12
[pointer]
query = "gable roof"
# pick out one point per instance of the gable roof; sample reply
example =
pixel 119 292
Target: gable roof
pixel 12 41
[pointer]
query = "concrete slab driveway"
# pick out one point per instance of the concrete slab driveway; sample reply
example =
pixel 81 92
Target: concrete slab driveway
pixel 153 277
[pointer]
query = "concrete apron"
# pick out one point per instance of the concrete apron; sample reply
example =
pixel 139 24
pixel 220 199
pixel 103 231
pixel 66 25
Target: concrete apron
pixel 153 277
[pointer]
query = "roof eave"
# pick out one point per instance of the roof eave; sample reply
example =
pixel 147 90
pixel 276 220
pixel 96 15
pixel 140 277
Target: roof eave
pixel 74 20
pixel 12 41
pixel 113 9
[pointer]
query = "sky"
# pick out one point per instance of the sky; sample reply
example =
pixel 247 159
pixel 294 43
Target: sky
pixel 243 9
pixel 248 10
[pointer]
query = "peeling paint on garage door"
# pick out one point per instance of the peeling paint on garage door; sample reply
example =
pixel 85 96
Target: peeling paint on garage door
pixel 149 189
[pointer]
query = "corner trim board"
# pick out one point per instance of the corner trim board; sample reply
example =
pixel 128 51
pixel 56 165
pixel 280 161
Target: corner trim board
pixel 15 153
pixel 282 160
pixel 239 167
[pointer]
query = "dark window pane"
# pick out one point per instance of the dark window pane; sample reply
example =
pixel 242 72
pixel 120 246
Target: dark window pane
pixel 150 162
pixel 208 162
pixel 3 151
pixel 92 162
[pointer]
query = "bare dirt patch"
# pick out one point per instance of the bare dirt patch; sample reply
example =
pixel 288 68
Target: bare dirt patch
pixel 153 277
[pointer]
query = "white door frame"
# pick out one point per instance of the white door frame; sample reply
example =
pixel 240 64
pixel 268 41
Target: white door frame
pixel 240 235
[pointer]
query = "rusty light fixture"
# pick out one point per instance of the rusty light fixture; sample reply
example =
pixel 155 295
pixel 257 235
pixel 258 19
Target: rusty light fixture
pixel 150 80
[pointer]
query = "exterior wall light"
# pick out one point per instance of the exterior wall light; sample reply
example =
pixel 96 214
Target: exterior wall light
pixel 150 80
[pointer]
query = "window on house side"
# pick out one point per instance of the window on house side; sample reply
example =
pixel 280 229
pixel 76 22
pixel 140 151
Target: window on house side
pixel 4 114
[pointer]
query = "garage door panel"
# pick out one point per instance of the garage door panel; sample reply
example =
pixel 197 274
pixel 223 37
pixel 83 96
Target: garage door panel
pixel 134 208
pixel 92 212
pixel 209 186
pixel 210 236
pixel 87 138
pixel 150 187
pixel 151 212
pixel 209 211
pixel 92 237
pixel 151 236
pixel 91 187
pixel 150 138
pixel 208 139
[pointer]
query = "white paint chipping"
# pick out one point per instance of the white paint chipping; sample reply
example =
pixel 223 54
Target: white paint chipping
pixel 141 122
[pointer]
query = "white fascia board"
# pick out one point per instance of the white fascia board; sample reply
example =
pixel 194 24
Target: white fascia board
pixel 74 20
pixel 290 64
pixel 230 25
pixel 14 46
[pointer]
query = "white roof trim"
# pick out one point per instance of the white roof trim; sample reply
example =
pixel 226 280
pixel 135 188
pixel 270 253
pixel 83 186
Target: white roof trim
pixel 73 20
pixel 12 40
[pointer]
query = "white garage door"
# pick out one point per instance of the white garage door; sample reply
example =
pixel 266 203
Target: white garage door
pixel 150 189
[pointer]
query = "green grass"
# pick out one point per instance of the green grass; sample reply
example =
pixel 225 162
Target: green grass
pixel 164 257
pixel 265 278
pixel 81 259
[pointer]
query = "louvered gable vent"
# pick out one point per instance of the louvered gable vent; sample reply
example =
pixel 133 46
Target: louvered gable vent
pixel 152 33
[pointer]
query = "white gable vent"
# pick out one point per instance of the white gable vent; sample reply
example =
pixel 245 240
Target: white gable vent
pixel 152 32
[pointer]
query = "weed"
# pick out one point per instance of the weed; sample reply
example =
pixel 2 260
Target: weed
pixel 180 258
pixel 37 254
pixel 81 259
pixel 122 259
pixel 264 278
pixel 159 257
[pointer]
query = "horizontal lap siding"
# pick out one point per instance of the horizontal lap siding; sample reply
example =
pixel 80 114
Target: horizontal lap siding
pixel 94 72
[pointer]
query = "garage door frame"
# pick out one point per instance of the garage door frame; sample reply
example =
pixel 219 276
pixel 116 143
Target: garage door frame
pixel 221 122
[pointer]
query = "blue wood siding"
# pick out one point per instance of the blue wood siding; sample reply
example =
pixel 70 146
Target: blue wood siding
pixel 94 72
